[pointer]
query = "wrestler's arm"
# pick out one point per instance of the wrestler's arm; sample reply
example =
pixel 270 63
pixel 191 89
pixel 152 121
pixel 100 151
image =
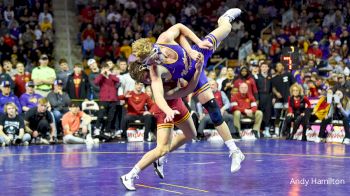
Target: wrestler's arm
pixel 175 31
pixel 184 91
pixel 157 88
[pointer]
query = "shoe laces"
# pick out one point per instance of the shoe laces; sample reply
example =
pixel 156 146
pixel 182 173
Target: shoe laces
pixel 236 151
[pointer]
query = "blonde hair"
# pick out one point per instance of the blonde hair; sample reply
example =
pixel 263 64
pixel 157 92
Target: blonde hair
pixel 142 48
pixel 10 104
pixel 300 88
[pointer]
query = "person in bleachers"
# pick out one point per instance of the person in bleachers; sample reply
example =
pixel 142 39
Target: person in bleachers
pixel 281 84
pixel 94 72
pixel 264 86
pixel 246 77
pixel 59 102
pixel 78 86
pixel 21 78
pixel 227 84
pixel 30 98
pixel 244 104
pixel 8 68
pixel 224 105
pixel 6 96
pixel 39 123
pixel 342 85
pixel 108 97
pixel 298 109
pixel 76 126
pixel 12 127
pixel 137 102
pixel 43 76
pixel 64 71
pixel 6 77
pixel 88 47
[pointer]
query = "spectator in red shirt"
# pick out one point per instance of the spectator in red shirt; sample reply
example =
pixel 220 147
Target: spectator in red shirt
pixel 21 78
pixel 314 51
pixel 88 31
pixel 108 96
pixel 244 104
pixel 137 102
pixel 245 77
pixel 297 112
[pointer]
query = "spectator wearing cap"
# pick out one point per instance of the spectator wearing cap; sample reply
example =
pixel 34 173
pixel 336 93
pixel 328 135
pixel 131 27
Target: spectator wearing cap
pixel 64 71
pixel 21 78
pixel 59 102
pixel 43 76
pixel 39 123
pixel 108 96
pixel 78 86
pixel 76 126
pixel 95 71
pixel 30 98
pixel 6 77
pixel 6 96
pixel 314 51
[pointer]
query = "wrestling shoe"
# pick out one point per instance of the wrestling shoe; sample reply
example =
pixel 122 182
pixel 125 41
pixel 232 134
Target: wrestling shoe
pixel 237 157
pixel 128 182
pixel 232 14
pixel 159 167
pixel 267 133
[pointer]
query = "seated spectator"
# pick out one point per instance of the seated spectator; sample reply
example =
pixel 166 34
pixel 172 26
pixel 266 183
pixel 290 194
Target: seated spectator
pixel 12 127
pixel 6 96
pixel 74 122
pixel 59 102
pixel 6 77
pixel 224 105
pixel 45 24
pixel 78 86
pixel 8 68
pixel 30 98
pixel 298 106
pixel 21 78
pixel 88 47
pixel 136 102
pixel 244 104
pixel 245 77
pixel 342 85
pixel 339 111
pixel 43 76
pixel 39 123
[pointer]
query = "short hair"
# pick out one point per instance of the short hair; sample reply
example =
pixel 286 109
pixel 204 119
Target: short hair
pixel 10 104
pixel 42 101
pixel 62 61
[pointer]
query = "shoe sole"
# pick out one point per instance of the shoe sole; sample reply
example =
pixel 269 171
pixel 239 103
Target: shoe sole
pixel 121 179
pixel 157 171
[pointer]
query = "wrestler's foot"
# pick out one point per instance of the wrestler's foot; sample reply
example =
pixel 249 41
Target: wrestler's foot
pixel 231 14
pixel 159 167
pixel 237 157
pixel 128 182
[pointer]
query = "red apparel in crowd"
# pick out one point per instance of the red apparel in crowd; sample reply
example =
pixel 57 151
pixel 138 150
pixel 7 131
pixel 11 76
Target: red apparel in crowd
pixel 108 91
pixel 242 102
pixel 297 103
pixel 317 52
pixel 252 89
pixel 136 102
pixel 20 83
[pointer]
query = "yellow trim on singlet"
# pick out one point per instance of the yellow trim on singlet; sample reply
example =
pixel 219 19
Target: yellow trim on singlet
pixel 213 39
pixel 165 125
pixel 201 89
pixel 183 119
